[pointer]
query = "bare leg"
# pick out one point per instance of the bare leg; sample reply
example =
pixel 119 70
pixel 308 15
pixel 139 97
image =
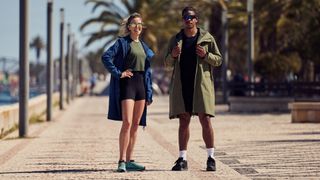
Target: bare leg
pixel 184 133
pixel 137 113
pixel 127 111
pixel 207 130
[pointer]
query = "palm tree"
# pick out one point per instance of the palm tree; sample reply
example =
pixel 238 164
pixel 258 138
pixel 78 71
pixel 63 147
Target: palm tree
pixel 111 16
pixel 38 45
pixel 289 31
pixel 155 13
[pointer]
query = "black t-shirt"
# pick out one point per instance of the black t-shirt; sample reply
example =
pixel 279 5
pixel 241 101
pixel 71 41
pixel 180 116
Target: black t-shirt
pixel 188 63
pixel 188 58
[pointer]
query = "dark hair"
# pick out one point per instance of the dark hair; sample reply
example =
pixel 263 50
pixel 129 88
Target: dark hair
pixel 131 17
pixel 189 8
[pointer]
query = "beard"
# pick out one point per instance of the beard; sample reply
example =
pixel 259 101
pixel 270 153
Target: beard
pixel 189 25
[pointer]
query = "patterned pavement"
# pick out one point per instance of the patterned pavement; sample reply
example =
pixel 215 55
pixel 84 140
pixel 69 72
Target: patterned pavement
pixel 81 144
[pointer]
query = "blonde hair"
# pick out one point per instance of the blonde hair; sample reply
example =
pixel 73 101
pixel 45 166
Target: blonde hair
pixel 123 30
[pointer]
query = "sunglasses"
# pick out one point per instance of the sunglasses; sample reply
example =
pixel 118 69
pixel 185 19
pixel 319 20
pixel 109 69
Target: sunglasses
pixel 189 17
pixel 134 25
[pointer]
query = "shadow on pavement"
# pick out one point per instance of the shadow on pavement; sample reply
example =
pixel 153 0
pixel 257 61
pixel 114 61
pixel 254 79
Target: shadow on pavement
pixel 306 133
pixel 61 171
pixel 290 141
pixel 156 170
pixel 92 114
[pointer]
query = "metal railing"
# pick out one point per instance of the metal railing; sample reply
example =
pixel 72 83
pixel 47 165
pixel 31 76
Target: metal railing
pixel 274 89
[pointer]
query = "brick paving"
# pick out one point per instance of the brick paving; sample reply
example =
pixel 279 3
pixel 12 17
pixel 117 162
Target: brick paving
pixel 80 143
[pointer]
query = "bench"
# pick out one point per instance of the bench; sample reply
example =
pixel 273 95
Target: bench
pixel 259 104
pixel 305 112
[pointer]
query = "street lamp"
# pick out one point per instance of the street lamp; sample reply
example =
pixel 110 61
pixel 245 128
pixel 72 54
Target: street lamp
pixel 23 69
pixel 49 60
pixel 68 60
pixel 250 40
pixel 224 45
pixel 72 65
pixel 61 64
pixel 250 6
pixel 224 20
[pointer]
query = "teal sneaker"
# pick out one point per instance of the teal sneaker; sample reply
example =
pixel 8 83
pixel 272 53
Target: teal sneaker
pixel 121 166
pixel 132 166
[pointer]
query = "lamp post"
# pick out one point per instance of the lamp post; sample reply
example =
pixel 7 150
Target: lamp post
pixel 61 64
pixel 23 69
pixel 49 60
pixel 225 53
pixel 68 60
pixel 72 65
pixel 250 39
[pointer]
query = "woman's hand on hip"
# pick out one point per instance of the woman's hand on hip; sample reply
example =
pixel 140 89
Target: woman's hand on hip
pixel 126 73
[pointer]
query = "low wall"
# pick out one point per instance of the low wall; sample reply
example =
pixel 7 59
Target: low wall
pixel 259 104
pixel 9 114
pixel 305 112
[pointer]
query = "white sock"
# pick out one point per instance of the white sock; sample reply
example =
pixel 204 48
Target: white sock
pixel 210 152
pixel 183 154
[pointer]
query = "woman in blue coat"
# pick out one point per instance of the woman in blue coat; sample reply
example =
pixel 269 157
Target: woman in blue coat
pixel 128 61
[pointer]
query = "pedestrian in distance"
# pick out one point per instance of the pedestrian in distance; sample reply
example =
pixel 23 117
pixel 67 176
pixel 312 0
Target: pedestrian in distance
pixel 192 53
pixel 93 82
pixel 128 61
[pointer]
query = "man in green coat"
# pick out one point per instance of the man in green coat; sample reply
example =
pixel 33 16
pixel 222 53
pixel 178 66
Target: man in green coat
pixel 192 53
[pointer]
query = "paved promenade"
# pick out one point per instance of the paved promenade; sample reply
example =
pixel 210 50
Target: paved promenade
pixel 80 143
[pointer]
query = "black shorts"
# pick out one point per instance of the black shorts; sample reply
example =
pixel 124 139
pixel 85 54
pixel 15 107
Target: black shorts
pixel 187 85
pixel 133 88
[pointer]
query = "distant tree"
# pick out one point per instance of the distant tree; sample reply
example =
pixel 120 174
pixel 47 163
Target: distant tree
pixel 38 45
pixel 287 27
pixel 299 31
pixel 277 67
pixel 95 64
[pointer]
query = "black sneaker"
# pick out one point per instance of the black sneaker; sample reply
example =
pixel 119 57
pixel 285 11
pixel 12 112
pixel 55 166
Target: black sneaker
pixel 181 165
pixel 211 164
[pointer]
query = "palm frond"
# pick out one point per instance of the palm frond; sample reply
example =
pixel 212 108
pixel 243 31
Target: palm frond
pixel 105 17
pixel 110 6
pixel 109 41
pixel 91 1
pixel 100 35
pixel 128 6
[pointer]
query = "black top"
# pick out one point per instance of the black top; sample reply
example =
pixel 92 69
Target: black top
pixel 188 63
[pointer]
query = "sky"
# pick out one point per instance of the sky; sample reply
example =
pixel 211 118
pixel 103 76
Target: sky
pixel 76 12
